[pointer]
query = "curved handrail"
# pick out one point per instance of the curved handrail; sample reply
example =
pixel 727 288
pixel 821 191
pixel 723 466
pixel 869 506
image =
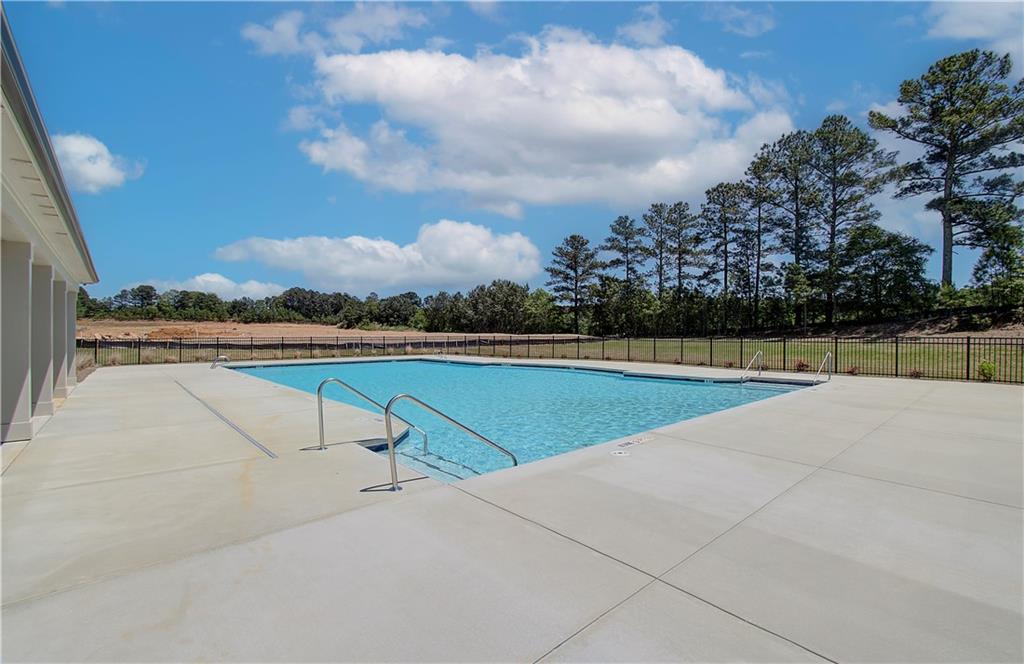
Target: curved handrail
pixel 827 358
pixel 427 407
pixel 219 358
pixel 743 376
pixel 320 409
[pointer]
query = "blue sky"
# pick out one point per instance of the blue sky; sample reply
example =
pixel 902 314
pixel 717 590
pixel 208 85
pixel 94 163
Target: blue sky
pixel 247 147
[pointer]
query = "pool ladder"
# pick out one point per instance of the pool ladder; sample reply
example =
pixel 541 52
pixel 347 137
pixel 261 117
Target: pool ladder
pixel 827 359
pixel 388 413
pixel 320 410
pixel 218 360
pixel 743 376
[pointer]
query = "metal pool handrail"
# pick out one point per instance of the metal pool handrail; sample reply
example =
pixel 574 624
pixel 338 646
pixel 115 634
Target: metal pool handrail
pixel 338 381
pixel 427 407
pixel 219 358
pixel 743 376
pixel 828 359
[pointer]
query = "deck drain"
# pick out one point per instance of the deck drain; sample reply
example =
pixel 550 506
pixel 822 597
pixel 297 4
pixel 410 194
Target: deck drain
pixel 620 453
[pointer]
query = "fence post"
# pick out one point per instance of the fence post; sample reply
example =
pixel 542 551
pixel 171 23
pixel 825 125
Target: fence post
pixel 552 346
pixel 311 348
pixel 96 352
pixel 654 351
pixel 527 346
pixel 384 343
pixel 835 351
pixel 252 351
pixel 577 346
pixel 603 356
pixel 510 346
pixel 783 353
pixel 281 348
pixel 627 349
pixel 139 355
pixel 967 369
pixel 741 352
pixel 216 346
pixel 897 374
pixel 711 351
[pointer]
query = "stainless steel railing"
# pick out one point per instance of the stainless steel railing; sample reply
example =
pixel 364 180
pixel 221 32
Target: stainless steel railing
pixel 827 359
pixel 427 407
pixel 743 376
pixel 217 360
pixel 337 381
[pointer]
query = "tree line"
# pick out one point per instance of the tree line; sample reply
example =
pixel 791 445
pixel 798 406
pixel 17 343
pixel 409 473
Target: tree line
pixel 795 241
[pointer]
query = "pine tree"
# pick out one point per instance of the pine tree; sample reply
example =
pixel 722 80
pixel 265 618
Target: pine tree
pixel 626 243
pixel 762 224
pixel 723 216
pixel 850 169
pixel 795 195
pixel 573 271
pixel 970 121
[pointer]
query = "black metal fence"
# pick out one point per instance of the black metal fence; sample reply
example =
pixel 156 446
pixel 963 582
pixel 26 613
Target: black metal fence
pixel 952 358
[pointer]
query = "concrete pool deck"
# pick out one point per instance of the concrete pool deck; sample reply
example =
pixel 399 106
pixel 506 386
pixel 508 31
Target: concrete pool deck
pixel 866 519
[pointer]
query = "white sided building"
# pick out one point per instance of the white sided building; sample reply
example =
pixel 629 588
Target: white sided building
pixel 44 261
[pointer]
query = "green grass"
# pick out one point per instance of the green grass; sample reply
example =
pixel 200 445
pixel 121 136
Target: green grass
pixel 915 358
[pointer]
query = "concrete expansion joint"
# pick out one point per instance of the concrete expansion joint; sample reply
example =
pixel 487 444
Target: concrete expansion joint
pixel 654 578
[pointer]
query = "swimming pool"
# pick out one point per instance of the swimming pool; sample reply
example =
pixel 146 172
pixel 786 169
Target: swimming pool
pixel 535 412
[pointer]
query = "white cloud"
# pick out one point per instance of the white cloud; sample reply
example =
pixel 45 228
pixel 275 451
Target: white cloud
pixel 999 26
pixel 647 29
pixel 366 23
pixel 485 8
pixel 892 108
pixel 446 254
pixel 373 23
pixel 569 120
pixel 755 55
pixel 836 106
pixel 302 118
pixel 744 21
pixel 212 282
pixel 282 36
pixel 439 43
pixel 89 166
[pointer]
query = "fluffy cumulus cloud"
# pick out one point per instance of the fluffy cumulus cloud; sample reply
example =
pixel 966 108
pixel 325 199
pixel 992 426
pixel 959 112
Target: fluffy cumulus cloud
pixel 567 120
pixel 446 254
pixel 648 28
pixel 748 21
pixel 228 289
pixel 365 24
pixel 997 25
pixel 90 167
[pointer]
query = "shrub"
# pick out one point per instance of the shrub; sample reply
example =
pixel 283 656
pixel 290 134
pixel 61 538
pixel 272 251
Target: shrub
pixel 112 360
pixel 801 366
pixel 729 364
pixel 853 370
pixel 84 362
pixel 987 370
pixel 563 356
pixel 914 373
pixel 170 359
pixel 607 357
pixel 677 361
pixel 586 357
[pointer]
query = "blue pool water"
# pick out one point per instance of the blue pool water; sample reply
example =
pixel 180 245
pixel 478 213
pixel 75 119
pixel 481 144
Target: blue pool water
pixel 535 412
